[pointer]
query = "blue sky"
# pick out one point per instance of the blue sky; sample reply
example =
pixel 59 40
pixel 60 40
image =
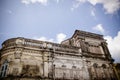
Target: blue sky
pixel 56 20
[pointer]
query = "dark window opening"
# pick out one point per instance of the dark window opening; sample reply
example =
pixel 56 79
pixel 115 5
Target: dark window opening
pixel 95 65
pixel 5 67
pixel 73 66
pixel 104 66
pixel 4 74
pixel 1 74
pixel 2 68
pixel 63 65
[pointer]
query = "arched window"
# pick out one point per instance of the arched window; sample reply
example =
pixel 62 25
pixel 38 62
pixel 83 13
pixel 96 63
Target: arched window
pixel 3 69
pixel 64 66
pixel 74 67
pixel 95 65
pixel 104 66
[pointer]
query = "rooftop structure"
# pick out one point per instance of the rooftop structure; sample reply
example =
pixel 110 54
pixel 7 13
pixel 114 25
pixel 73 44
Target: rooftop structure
pixel 84 56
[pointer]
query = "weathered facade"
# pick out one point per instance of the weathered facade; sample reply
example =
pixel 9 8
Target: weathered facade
pixel 116 68
pixel 84 56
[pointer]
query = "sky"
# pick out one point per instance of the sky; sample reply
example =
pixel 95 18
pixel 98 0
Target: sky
pixel 56 20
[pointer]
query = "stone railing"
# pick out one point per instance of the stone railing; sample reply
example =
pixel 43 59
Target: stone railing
pixel 30 43
pixel 49 45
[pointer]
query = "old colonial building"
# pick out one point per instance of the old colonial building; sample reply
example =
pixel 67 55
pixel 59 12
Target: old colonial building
pixel 84 56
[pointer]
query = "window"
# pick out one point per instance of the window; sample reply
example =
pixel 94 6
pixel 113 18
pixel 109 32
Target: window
pixel 4 69
pixel 74 67
pixel 104 66
pixel 95 65
pixel 64 66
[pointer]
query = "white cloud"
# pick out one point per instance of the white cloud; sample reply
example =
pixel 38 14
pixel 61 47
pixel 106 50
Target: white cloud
pixel 114 46
pixel 44 39
pixel 81 1
pixel 43 2
pixel 10 12
pixel 93 13
pixel 77 4
pixel 25 1
pixel 110 6
pixel 59 37
pixel 57 1
pixel 99 28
